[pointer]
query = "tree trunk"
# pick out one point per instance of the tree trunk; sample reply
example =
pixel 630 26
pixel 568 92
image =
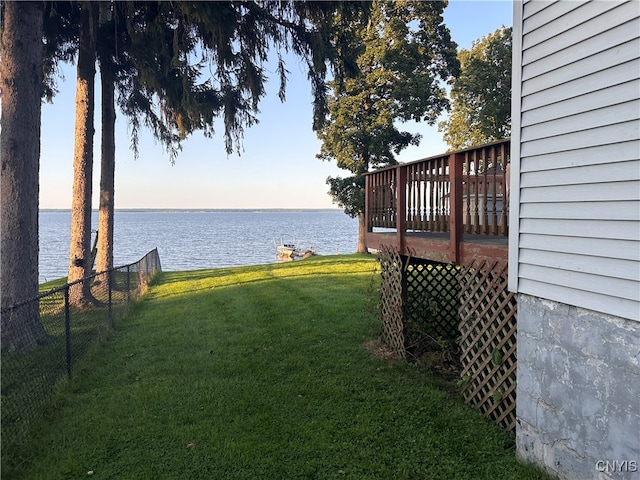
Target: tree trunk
pixel 80 247
pixel 107 170
pixel 362 231
pixel 21 83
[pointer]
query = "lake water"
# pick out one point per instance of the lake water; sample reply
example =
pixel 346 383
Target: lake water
pixel 199 239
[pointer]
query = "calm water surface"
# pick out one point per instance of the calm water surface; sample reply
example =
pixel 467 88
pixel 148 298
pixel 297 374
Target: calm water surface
pixel 192 240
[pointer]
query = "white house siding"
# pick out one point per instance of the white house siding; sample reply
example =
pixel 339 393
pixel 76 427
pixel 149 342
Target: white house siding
pixel 574 245
pixel 577 182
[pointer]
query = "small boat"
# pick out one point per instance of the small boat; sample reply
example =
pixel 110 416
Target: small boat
pixel 286 250
pixel 289 250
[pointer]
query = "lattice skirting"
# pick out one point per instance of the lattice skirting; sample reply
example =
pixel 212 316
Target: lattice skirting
pixel 488 326
pixel 391 270
pixel 474 298
pixel 432 303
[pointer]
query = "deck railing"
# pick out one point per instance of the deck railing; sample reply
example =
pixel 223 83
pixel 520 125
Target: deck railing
pixel 459 192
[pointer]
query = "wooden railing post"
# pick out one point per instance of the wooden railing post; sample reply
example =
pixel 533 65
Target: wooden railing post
pixel 401 207
pixel 367 202
pixel 456 210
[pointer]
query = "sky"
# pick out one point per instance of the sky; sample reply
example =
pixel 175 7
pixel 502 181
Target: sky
pixel 278 167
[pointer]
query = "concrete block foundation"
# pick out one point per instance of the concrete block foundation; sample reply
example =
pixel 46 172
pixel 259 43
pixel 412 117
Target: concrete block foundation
pixel 578 393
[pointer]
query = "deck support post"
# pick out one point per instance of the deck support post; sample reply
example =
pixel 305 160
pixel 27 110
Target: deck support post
pixel 455 215
pixel 367 202
pixel 401 208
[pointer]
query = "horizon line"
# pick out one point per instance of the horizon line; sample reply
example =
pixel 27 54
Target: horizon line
pixel 201 209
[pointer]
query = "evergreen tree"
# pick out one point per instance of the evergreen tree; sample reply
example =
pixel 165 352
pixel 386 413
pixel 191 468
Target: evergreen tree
pixel 107 42
pixel 80 246
pixel 21 76
pixel 158 84
pixel 167 89
pixel 481 94
pixel 403 52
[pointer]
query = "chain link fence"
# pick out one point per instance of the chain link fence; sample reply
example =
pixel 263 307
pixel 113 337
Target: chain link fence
pixel 50 334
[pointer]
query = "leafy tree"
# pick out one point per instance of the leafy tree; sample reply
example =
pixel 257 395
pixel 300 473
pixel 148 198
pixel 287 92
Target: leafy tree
pixel 481 94
pixel 403 53
pixel 21 76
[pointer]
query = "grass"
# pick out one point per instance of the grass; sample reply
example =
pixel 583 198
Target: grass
pixel 259 372
pixel 59 282
pixel 30 377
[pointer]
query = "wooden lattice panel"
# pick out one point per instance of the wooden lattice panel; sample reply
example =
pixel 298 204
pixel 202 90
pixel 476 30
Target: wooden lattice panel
pixel 391 271
pixel 488 342
pixel 432 302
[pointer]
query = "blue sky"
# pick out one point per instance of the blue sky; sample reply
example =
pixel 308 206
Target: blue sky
pixel 278 167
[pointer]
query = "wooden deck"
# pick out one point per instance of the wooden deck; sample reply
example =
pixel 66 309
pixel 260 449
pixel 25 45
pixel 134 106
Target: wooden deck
pixel 449 208
pixel 438 247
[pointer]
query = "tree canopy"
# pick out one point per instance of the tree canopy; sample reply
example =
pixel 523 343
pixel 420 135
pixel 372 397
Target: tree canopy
pixel 404 54
pixel 179 66
pixel 481 94
pixel 207 62
pixel 176 68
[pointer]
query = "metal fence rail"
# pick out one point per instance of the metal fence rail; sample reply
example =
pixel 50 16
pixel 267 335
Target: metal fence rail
pixel 64 334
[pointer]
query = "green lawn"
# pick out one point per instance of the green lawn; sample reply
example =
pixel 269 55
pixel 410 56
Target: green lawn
pixel 260 372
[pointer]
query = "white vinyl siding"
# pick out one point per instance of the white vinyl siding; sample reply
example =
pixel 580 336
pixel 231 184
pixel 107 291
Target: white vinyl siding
pixel 575 206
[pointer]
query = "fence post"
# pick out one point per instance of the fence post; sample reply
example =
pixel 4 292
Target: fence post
pixel 128 284
pixel 109 281
pixel 156 256
pixel 67 328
